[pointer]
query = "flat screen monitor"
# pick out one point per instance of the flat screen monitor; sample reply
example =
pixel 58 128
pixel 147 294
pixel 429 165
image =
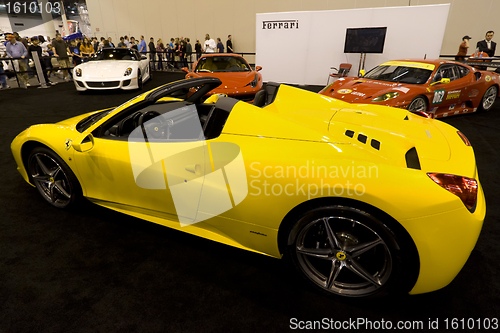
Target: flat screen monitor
pixel 365 40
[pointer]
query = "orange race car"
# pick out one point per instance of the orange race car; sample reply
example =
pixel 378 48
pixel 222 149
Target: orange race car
pixel 238 78
pixel 435 88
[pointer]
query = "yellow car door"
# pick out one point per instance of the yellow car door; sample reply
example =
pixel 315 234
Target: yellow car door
pixel 160 164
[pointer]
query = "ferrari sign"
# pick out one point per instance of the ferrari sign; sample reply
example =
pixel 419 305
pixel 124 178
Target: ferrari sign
pixel 280 24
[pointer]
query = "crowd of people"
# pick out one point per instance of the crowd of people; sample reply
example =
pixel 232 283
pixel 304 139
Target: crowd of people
pixel 59 55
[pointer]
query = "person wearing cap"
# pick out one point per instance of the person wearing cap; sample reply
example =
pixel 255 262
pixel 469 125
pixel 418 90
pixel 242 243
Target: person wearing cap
pixel 462 49
pixel 16 49
pixel 35 47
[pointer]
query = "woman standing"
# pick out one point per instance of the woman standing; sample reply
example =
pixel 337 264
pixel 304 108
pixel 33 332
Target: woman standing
pixel 86 49
pixel 160 48
pixel 46 47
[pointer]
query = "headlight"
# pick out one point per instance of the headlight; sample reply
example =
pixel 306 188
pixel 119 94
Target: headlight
pixel 78 72
pixel 128 71
pixel 253 84
pixel 386 96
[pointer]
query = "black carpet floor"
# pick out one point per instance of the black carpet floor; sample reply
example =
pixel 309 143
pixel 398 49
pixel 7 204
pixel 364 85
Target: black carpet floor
pixel 95 270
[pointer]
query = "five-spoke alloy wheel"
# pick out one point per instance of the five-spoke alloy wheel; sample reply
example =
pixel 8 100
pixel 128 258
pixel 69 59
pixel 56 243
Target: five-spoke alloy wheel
pixel 419 104
pixel 345 251
pixel 53 178
pixel 489 98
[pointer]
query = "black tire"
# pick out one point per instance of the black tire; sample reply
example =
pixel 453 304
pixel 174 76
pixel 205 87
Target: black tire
pixel 488 99
pixel 53 178
pixel 418 104
pixel 326 247
pixel 140 84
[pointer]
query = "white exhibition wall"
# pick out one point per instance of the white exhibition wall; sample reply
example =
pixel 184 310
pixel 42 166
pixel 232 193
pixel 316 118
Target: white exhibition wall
pixel 304 52
pixel 29 26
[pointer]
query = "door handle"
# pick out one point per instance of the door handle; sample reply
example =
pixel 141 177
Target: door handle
pixel 194 168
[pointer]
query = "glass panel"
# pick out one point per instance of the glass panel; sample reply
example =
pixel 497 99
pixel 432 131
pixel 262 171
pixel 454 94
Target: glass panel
pixel 401 74
pixel 116 54
pixel 182 124
pixel 222 64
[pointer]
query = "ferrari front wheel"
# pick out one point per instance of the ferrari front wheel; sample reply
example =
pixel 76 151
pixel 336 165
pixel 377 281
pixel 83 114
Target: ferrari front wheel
pixel 489 98
pixel 418 104
pixel 53 178
pixel 345 251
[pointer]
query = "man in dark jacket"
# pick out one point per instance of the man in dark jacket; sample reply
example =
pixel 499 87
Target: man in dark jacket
pixel 487 45
pixel 152 52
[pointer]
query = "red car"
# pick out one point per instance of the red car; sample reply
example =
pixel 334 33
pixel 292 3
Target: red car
pixel 238 78
pixel 438 88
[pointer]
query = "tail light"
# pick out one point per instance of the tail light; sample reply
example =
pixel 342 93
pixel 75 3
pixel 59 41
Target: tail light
pixel 463 187
pixel 464 138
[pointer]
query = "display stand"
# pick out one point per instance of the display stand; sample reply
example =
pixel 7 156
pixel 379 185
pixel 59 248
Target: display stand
pixel 362 59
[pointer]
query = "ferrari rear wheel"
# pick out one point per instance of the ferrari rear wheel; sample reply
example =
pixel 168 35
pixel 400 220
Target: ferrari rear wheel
pixel 139 80
pixel 419 104
pixel 345 251
pixel 53 178
pixel 489 98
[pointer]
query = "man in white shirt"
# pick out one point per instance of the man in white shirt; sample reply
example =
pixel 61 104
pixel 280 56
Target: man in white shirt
pixel 209 44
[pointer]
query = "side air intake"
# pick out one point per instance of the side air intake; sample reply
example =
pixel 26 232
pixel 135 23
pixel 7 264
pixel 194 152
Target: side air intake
pixel 412 161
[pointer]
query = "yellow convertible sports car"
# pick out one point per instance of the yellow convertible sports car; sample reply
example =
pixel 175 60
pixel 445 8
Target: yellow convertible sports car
pixel 363 199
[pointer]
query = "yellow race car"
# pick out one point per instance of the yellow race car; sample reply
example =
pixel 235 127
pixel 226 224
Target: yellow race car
pixel 364 199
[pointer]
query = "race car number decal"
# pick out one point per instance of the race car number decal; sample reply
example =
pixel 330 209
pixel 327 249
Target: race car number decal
pixel 438 96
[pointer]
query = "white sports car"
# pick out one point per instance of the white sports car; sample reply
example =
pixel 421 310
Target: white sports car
pixel 113 68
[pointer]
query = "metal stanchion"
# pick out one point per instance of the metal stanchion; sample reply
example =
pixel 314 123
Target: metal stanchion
pixel 15 72
pixel 39 70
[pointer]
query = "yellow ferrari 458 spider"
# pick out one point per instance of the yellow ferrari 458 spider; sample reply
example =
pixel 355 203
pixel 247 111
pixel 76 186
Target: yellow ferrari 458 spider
pixel 363 199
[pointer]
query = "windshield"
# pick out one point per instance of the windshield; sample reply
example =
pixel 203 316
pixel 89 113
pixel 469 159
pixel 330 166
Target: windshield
pixel 222 64
pixel 401 74
pixel 116 54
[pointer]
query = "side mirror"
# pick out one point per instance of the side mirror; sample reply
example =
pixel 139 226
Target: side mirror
pixel 443 81
pixel 84 144
pixel 362 73
pixel 258 68
pixel 185 69
pixel 144 57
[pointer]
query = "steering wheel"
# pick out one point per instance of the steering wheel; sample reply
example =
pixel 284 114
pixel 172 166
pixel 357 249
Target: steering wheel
pixel 152 125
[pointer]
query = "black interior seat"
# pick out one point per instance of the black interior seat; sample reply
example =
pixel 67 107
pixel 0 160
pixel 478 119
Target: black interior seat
pixel 267 95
